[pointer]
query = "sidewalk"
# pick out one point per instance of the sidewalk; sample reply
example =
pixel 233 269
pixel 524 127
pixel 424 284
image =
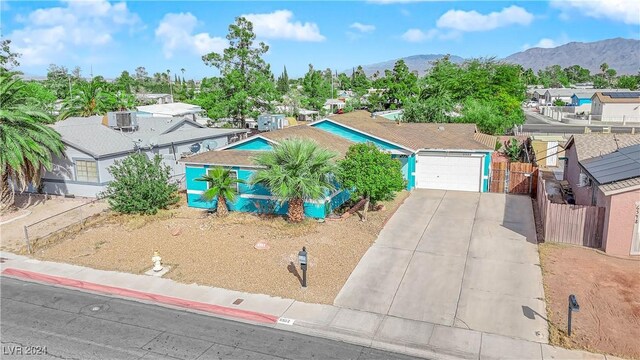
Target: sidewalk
pixel 389 333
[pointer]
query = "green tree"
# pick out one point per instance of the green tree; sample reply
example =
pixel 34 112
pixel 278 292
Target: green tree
pixel 212 98
pixel 553 76
pixel 372 174
pixel 577 74
pixel 88 98
pixel 487 117
pixel 316 89
pixel 294 171
pixel 344 82
pixel 38 96
pixel 140 185
pixel 402 84
pixel 59 81
pixel 247 82
pixel 360 83
pixel 8 59
pixel 222 187
pixel 283 82
pixel 27 144
pixel 630 82
pixel 125 82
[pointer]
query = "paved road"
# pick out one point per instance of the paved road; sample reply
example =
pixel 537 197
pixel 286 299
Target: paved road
pixel 78 325
pixel 455 258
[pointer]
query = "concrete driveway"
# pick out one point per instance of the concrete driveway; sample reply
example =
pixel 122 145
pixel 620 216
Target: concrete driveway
pixel 460 259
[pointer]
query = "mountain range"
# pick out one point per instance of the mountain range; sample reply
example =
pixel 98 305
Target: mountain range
pixel 620 54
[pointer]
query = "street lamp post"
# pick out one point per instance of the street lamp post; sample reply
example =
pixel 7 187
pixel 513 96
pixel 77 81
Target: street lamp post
pixel 302 259
pixel 573 306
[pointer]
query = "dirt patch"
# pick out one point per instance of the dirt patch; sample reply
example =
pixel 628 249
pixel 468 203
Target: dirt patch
pixel 222 252
pixel 608 291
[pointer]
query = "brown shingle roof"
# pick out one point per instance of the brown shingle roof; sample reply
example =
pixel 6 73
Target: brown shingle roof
pixel 621 186
pixel 223 157
pixel 417 136
pixel 609 100
pixel 323 138
pixel 594 144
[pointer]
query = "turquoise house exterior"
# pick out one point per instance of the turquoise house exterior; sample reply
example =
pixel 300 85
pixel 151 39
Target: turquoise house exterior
pixel 577 101
pixel 238 158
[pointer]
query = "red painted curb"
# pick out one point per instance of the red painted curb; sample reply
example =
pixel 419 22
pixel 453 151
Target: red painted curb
pixel 168 300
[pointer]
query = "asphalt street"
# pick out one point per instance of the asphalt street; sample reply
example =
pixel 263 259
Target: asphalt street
pixel 51 322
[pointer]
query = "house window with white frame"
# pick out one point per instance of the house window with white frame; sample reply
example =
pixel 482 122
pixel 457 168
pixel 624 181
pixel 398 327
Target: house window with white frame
pixel 233 174
pixel 87 171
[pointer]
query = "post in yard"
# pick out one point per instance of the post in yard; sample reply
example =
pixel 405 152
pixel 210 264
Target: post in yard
pixel 302 259
pixel 573 306
pixel 26 238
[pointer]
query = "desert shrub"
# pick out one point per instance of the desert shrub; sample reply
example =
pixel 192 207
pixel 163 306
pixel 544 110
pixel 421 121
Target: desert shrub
pixel 140 186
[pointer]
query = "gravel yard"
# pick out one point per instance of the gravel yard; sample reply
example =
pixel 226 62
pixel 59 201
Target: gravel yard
pixel 221 252
pixel 608 291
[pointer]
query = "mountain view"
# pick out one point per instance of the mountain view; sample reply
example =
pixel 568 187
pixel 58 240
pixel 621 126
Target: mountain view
pixel 621 54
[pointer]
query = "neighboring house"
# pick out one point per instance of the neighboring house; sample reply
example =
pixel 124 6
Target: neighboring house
pixel 155 98
pixel 332 105
pixel 238 157
pixel 176 110
pixel 604 170
pixel 93 144
pixel 307 115
pixel 390 114
pixel 538 95
pixel 562 94
pixel 581 99
pixel 623 106
pixel 433 156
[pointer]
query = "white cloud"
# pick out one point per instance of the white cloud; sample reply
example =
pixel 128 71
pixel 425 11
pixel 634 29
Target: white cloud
pixel 362 27
pixel 417 35
pixel 175 31
pixel 469 21
pixel 624 11
pixel 52 33
pixel 278 25
pixel 548 42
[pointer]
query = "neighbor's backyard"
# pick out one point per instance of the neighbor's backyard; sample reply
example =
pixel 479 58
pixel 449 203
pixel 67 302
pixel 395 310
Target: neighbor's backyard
pixel 608 291
pixel 221 252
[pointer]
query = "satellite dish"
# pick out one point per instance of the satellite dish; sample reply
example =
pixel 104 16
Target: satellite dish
pixel 209 144
pixel 195 148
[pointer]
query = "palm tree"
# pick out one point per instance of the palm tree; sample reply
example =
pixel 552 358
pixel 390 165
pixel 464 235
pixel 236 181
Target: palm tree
pixel 604 67
pixel 222 187
pixel 296 170
pixel 27 144
pixel 88 98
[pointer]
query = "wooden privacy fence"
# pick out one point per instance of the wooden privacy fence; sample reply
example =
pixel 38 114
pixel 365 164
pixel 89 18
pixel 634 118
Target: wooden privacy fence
pixel 513 178
pixel 570 224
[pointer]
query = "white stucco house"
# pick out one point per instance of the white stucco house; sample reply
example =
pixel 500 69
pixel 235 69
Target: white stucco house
pixel 622 106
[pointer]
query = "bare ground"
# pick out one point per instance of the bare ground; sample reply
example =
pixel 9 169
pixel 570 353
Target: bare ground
pixel 220 252
pixel 608 291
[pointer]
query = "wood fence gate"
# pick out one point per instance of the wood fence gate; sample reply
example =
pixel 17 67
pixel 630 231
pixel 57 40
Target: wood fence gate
pixel 513 178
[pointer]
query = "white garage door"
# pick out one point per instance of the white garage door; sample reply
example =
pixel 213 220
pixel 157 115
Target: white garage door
pixel 449 172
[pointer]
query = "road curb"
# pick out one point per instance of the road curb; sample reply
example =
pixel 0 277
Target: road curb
pixel 139 295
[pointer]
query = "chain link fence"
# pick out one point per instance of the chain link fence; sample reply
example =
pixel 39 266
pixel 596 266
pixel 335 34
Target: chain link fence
pixel 72 220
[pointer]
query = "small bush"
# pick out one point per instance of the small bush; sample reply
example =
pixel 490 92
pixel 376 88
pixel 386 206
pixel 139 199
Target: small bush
pixel 140 186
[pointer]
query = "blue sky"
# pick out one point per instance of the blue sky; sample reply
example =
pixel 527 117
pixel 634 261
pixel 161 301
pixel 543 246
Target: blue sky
pixel 114 36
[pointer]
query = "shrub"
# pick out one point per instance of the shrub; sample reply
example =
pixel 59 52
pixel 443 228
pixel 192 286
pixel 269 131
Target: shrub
pixel 371 173
pixel 140 186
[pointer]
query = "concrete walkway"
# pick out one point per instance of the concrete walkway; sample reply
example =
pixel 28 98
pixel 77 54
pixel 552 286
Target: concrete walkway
pixel 460 259
pixel 379 331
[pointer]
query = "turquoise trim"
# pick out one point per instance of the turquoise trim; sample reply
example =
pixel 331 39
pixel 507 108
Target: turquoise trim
pixel 255 144
pixel 411 183
pixel 405 161
pixel 486 173
pixel 353 135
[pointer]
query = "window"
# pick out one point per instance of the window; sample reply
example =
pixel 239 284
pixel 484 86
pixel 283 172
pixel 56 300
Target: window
pixel 234 175
pixel 87 171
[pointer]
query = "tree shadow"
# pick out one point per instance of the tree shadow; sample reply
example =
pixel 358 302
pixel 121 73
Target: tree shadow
pixel 293 270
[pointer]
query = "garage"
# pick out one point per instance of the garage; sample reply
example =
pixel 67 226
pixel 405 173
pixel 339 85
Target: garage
pixel 449 171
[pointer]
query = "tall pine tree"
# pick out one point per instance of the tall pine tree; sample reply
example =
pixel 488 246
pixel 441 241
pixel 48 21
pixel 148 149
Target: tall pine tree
pixel 283 82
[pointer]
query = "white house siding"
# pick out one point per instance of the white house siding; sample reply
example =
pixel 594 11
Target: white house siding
pixel 621 112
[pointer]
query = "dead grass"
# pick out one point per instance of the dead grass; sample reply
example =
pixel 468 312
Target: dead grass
pixel 608 291
pixel 220 251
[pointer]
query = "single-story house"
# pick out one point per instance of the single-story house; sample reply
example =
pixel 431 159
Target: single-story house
pixel 307 115
pixel 604 170
pixel 433 156
pixel 93 144
pixel 581 98
pixel 333 105
pixel 562 94
pixel 238 157
pixel 174 109
pixel 623 106
pixel 538 95
pixel 154 98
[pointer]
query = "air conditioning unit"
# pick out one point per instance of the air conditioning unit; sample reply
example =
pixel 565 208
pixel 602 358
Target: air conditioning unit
pixel 583 180
pixel 122 120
